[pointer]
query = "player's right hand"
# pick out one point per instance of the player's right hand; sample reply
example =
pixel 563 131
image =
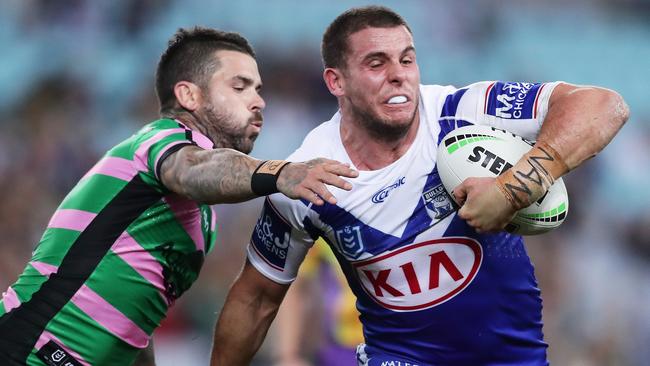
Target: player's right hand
pixel 483 205
pixel 307 180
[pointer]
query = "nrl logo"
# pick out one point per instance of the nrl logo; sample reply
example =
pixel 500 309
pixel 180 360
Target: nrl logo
pixel 437 202
pixel 349 241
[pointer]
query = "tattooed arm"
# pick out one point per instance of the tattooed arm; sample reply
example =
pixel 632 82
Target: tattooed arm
pixel 224 176
pixel 580 122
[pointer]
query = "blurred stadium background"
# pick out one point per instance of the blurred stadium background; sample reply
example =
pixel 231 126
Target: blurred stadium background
pixel 77 76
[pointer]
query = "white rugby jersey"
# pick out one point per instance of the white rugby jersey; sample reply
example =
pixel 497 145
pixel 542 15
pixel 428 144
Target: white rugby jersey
pixel 429 288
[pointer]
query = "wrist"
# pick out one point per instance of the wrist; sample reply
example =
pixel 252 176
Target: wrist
pixel 531 177
pixel 265 177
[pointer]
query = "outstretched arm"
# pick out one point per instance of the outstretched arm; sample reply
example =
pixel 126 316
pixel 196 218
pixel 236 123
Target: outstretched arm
pixel 250 307
pixel 224 176
pixel 580 122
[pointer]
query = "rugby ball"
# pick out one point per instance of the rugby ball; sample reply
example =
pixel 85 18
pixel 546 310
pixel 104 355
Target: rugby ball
pixel 483 151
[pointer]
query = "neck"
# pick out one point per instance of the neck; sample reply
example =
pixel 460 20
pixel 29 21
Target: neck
pixel 368 152
pixel 188 120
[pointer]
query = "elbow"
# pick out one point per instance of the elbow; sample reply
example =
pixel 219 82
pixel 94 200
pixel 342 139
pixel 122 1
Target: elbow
pixel 616 113
pixel 605 103
pixel 609 113
pixel 620 109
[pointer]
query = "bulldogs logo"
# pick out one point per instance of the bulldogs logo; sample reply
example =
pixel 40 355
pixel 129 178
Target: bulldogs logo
pixel 437 202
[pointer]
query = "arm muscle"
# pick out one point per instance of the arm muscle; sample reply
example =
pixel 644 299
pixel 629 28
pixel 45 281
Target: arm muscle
pixel 209 176
pixel 581 121
pixel 251 306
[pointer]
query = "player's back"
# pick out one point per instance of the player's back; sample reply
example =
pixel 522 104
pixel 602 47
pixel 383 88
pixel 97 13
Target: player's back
pixel 117 252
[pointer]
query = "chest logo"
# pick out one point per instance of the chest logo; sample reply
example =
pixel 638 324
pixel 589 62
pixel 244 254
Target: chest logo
pixel 349 241
pixel 421 275
pixel 383 193
pixel 437 202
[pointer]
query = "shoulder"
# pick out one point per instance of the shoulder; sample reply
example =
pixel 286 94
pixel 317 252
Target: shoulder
pixel 436 97
pixel 157 126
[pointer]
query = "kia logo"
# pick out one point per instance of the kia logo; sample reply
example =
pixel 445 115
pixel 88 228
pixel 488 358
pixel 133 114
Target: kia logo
pixel 421 275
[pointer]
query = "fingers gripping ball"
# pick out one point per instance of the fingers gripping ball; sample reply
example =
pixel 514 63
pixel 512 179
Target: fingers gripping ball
pixel 482 151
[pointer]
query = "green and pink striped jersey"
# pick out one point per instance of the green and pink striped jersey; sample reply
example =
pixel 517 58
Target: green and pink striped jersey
pixel 115 255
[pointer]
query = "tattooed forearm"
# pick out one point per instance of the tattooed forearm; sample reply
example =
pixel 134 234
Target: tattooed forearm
pixel 222 175
pixel 532 176
pixel 210 176
pixel 538 176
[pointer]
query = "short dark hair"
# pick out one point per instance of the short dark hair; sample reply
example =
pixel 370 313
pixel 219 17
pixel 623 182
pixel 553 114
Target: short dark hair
pixel 190 56
pixel 335 40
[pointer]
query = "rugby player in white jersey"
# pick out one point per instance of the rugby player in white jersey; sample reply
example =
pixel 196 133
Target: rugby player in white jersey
pixel 435 285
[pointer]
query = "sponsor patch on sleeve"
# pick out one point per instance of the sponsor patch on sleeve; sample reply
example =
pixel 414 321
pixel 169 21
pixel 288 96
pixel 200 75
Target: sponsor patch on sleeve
pixel 512 100
pixel 271 237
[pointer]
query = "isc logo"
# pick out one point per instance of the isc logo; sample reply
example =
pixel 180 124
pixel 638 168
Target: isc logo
pixel 421 275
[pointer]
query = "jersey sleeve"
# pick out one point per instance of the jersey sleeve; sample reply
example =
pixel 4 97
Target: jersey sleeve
pixel 517 107
pixel 283 233
pixel 161 140
pixel 279 241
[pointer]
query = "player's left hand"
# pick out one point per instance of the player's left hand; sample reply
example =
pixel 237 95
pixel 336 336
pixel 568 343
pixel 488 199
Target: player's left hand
pixel 309 180
pixel 483 205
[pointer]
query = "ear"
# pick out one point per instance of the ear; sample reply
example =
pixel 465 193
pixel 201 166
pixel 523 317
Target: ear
pixel 188 95
pixel 334 81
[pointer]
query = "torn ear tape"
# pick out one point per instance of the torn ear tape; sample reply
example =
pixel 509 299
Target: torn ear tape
pixel 265 177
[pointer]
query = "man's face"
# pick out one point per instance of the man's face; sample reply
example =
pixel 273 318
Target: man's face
pixel 232 106
pixel 381 80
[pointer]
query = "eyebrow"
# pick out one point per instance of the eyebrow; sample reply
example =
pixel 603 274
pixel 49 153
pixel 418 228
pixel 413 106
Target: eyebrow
pixel 382 54
pixel 247 81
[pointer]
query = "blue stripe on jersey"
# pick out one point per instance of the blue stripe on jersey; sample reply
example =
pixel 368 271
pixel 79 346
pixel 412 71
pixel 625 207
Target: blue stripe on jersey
pixel 451 103
pixel 354 233
pixel 356 237
pixel 450 124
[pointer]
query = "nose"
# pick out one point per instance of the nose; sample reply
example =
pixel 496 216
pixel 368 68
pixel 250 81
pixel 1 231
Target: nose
pixel 258 103
pixel 396 73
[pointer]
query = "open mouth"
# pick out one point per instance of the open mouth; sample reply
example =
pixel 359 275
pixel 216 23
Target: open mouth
pixel 397 99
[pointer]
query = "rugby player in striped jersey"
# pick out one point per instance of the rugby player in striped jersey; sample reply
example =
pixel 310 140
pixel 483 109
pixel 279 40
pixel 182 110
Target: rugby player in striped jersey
pixel 131 236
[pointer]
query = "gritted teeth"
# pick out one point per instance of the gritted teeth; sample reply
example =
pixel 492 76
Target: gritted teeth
pixel 397 99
